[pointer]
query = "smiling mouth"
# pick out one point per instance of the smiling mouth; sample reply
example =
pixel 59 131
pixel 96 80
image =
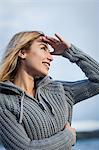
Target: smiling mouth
pixel 46 64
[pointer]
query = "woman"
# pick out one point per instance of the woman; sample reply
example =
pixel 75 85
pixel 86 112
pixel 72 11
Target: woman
pixel 35 111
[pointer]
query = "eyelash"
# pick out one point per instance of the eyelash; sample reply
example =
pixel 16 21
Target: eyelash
pixel 43 48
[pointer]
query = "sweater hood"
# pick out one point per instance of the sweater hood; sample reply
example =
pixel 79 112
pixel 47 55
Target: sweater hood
pixel 7 87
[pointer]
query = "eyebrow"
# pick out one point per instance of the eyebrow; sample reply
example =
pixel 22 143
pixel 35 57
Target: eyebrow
pixel 44 45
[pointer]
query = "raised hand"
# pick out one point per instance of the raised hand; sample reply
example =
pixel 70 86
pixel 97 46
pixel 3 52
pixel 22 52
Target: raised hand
pixel 58 44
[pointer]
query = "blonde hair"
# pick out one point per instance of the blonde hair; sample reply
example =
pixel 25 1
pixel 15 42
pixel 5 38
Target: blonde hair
pixel 10 62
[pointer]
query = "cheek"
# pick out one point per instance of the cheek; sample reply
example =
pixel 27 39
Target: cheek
pixel 35 59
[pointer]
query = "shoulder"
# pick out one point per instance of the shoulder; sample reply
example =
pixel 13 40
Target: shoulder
pixel 4 101
pixel 8 102
pixel 54 86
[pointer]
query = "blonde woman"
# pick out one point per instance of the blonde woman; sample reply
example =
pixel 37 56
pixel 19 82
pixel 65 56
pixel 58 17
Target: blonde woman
pixel 35 110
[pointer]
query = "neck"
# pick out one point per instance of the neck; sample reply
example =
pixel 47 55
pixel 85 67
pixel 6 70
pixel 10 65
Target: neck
pixel 25 82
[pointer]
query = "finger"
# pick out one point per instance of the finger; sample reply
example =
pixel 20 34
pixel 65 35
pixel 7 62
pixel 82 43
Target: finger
pixel 67 124
pixel 52 39
pixel 74 130
pixel 47 40
pixel 59 37
pixel 52 53
pixel 51 43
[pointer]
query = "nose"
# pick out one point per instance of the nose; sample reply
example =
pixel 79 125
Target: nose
pixel 49 56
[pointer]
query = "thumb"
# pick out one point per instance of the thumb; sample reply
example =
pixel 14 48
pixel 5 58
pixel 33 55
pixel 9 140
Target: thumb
pixel 67 125
pixel 53 53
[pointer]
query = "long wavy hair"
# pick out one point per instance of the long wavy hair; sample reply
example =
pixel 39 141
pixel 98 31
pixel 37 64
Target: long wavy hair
pixel 10 61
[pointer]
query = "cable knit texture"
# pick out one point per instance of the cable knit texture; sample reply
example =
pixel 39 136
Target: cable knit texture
pixel 37 123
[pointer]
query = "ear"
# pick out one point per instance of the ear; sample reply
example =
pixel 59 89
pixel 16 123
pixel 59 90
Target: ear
pixel 22 54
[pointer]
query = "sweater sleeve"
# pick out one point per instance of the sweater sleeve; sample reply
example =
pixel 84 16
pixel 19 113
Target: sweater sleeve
pixel 14 137
pixel 87 88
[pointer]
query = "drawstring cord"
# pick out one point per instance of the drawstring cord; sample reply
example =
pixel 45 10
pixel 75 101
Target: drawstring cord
pixel 49 105
pixel 21 112
pixel 38 96
pixel 41 95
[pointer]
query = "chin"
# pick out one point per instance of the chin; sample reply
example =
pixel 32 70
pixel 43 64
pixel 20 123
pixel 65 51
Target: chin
pixel 41 75
pixel 44 73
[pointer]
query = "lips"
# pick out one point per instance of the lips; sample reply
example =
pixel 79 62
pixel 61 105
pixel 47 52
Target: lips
pixel 47 64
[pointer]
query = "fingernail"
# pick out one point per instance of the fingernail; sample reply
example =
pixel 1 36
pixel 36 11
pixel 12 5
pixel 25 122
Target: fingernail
pixel 44 37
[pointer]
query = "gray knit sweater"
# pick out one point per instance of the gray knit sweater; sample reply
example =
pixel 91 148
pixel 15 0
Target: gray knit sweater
pixel 37 123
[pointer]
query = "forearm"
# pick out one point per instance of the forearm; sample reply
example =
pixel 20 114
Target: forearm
pixel 60 140
pixel 88 65
pixel 13 136
pixel 63 139
pixel 87 88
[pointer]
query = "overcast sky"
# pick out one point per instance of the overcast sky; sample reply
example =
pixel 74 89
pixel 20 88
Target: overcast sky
pixel 76 20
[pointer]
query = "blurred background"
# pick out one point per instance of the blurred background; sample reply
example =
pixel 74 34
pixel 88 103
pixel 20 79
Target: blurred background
pixel 78 22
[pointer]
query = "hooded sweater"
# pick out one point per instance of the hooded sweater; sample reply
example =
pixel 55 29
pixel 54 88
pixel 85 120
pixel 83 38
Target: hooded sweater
pixel 37 123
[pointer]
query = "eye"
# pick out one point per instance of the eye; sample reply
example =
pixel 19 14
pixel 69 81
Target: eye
pixel 43 48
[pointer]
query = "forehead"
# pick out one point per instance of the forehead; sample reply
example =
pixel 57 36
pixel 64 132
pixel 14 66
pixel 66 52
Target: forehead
pixel 39 41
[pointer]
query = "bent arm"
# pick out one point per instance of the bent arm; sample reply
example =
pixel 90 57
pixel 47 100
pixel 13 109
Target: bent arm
pixel 13 136
pixel 83 89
